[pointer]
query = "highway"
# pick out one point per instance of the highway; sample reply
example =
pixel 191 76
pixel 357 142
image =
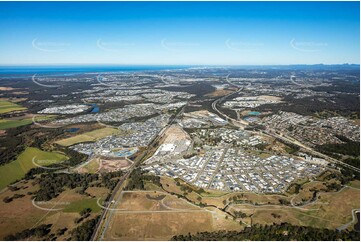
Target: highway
pixel 235 122
pixel 295 142
pixel 274 134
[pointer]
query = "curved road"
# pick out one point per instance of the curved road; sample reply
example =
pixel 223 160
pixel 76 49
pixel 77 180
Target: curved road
pixel 273 134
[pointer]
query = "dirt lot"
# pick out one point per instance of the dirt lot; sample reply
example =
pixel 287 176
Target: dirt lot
pixel 219 93
pixel 114 164
pixel 104 165
pixel 175 133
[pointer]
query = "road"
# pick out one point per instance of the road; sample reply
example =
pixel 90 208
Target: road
pixel 353 221
pixel 274 134
pixel 235 122
pixel 295 142
pixel 102 220
pixel 106 216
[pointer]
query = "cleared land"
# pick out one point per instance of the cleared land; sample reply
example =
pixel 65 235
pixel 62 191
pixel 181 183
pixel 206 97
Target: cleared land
pixel 216 198
pixel 21 213
pixel 92 167
pixel 13 123
pixel 88 136
pixel 16 169
pixel 110 165
pixel 328 210
pixel 7 88
pixel 78 206
pixel 219 92
pixel 7 124
pixel 158 226
pixel 175 133
pixel 6 107
pixel 104 165
pixel 154 215
pixel 331 210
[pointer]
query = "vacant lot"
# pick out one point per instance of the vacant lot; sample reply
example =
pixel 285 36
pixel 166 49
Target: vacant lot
pixel 91 167
pixel 110 165
pixel 16 169
pixel 219 92
pixel 79 205
pixel 154 215
pixel 218 198
pixel 331 210
pixel 104 165
pixel 88 136
pixel 157 226
pixel 21 214
pixel 6 107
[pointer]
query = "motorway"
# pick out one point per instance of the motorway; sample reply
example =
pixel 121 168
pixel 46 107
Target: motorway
pixel 235 122
pixel 310 150
pixel 273 133
pixel 106 216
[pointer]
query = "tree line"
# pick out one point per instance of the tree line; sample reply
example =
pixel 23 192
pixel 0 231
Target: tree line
pixel 280 232
pixel 52 184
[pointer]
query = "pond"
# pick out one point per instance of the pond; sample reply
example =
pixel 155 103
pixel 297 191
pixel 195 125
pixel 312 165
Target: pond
pixel 254 113
pixel 95 108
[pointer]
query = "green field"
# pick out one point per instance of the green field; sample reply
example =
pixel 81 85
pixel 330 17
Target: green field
pixel 78 206
pixel 7 123
pixel 88 136
pixel 6 107
pixel 92 166
pixel 16 169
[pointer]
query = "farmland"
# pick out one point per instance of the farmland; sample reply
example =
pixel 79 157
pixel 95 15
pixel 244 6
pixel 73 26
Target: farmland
pixel 16 169
pixel 13 123
pixel 87 137
pixel 6 107
pixel 7 124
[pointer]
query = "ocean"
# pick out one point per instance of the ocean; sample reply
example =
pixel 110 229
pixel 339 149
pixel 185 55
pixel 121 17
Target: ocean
pixel 76 69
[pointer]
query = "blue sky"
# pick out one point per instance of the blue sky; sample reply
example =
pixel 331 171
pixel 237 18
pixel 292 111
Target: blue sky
pixel 179 33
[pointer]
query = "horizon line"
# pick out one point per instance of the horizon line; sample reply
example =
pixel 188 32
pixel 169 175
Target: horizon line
pixel 213 65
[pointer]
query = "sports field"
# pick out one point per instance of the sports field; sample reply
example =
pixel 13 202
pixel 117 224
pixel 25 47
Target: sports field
pixel 88 136
pixel 6 107
pixel 16 169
